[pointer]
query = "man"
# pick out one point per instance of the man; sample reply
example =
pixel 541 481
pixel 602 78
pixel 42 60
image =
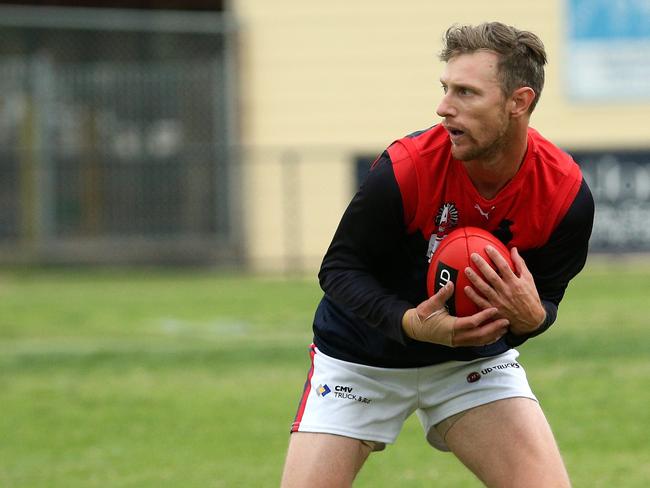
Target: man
pixel 382 348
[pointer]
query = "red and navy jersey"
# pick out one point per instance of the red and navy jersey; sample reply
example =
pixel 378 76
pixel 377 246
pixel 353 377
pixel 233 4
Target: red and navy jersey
pixel 437 193
pixel 415 193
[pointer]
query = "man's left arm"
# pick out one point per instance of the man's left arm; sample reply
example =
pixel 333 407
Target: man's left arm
pixel 529 297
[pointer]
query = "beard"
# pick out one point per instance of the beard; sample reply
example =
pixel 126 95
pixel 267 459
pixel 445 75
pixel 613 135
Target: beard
pixel 487 150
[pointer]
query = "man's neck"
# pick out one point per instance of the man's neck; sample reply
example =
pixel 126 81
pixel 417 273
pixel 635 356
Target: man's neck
pixel 489 175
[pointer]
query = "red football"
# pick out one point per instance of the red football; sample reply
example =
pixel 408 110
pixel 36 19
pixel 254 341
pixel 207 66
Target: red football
pixel 451 258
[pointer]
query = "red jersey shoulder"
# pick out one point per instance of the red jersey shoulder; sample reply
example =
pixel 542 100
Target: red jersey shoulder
pixel 431 139
pixel 557 178
pixel 407 155
pixel 552 158
pixel 422 142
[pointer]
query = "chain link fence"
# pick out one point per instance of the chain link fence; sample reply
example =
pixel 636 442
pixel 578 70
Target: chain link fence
pixel 115 136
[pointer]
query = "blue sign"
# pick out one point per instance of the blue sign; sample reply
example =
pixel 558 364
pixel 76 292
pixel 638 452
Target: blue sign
pixel 607 19
pixel 608 50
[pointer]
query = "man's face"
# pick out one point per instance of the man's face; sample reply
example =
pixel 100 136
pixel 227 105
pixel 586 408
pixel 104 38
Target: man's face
pixel 474 109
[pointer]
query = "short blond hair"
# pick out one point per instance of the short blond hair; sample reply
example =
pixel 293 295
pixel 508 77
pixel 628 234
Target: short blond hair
pixel 521 53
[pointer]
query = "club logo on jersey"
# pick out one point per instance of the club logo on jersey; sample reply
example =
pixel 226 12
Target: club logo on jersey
pixel 446 219
pixel 447 215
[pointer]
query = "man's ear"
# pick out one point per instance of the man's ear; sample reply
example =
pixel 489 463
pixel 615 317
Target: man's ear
pixel 520 100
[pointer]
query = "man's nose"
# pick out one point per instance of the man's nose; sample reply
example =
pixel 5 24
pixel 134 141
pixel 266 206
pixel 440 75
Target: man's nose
pixel 445 107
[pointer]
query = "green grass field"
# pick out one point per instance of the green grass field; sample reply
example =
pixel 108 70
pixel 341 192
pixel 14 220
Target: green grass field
pixel 191 379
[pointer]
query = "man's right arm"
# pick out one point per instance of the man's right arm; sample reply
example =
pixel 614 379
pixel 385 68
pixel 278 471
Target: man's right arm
pixel 356 270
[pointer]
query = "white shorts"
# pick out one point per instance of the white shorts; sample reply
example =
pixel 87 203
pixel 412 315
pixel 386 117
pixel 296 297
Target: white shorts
pixel 371 404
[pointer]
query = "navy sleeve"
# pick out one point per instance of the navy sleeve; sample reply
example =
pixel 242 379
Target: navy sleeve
pixel 554 264
pixel 359 267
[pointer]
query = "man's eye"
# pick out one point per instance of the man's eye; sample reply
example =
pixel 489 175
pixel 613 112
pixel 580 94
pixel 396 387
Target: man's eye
pixel 444 88
pixel 465 91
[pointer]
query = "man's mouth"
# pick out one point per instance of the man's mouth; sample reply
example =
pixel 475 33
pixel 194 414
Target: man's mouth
pixel 454 131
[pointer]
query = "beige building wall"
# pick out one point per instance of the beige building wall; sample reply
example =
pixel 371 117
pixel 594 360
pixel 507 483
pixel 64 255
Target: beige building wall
pixel 324 82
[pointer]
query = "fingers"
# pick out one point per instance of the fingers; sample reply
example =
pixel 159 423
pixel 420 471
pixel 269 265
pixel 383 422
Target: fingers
pixel 485 334
pixel 445 292
pixel 479 329
pixel 437 301
pixel 477 299
pixel 479 283
pixel 518 261
pixel 475 321
pixel 499 261
pixel 490 280
pixel 441 328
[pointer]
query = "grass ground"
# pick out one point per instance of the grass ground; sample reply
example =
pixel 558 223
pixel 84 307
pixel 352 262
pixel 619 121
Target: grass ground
pixel 189 379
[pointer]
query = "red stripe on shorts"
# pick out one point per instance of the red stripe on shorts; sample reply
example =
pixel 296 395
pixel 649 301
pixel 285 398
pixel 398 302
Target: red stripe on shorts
pixel 305 393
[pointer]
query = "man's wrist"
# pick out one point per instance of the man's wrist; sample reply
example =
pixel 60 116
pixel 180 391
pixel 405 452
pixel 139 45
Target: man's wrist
pixel 530 327
pixel 411 321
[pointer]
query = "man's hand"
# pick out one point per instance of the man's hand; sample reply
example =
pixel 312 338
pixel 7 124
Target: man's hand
pixel 513 293
pixel 430 322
